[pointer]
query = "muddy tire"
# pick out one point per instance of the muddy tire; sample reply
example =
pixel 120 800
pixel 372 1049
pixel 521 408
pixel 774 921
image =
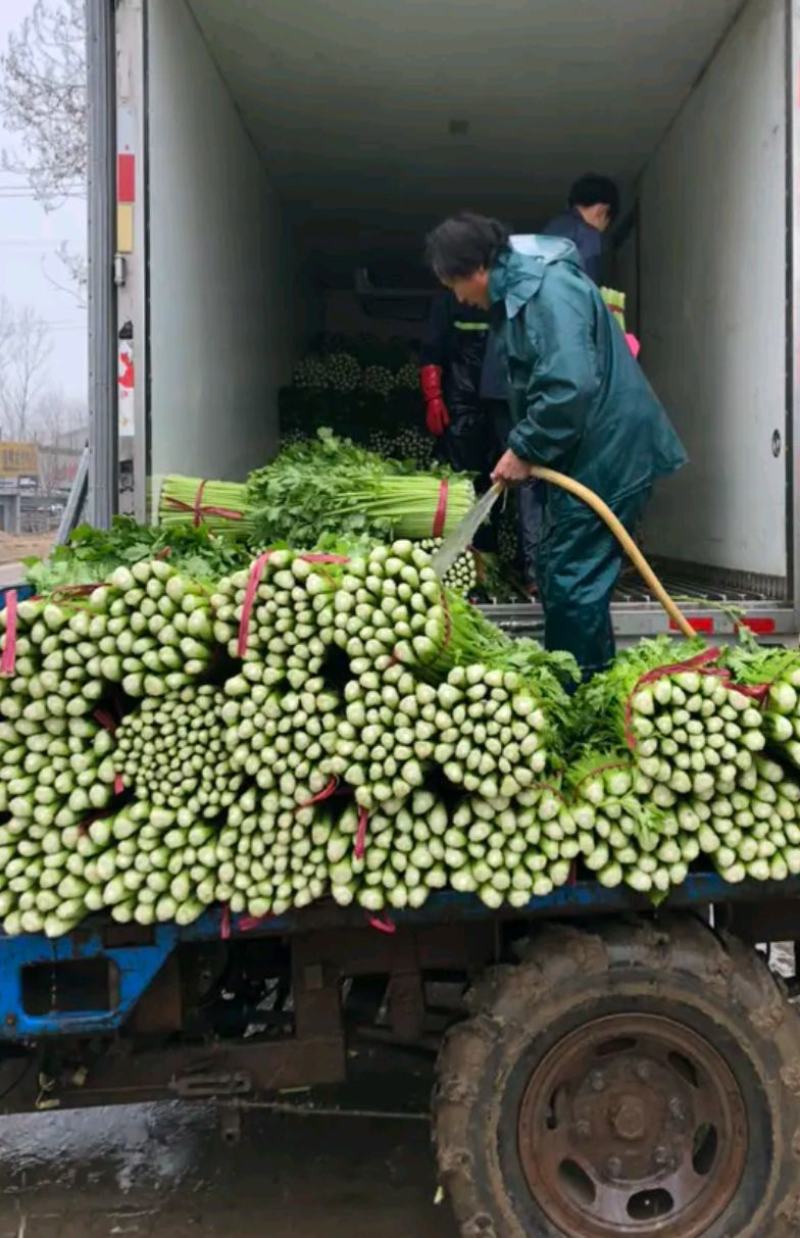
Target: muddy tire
pixel 630 1078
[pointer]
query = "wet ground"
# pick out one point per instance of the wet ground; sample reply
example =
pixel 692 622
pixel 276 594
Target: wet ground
pixel 164 1170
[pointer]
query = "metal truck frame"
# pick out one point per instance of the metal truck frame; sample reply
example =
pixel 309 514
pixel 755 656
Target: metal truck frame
pixel 600 1067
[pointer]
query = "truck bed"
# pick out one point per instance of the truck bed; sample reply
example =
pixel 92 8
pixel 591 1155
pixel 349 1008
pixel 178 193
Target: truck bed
pixel 714 601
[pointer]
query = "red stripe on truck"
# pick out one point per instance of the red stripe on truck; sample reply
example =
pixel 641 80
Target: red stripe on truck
pixel 759 627
pixel 699 625
pixel 126 178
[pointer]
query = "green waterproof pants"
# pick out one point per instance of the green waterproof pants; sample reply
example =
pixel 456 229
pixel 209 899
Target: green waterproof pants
pixel 578 567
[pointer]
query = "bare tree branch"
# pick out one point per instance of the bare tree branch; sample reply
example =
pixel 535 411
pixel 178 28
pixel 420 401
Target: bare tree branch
pixel 25 348
pixel 54 417
pixel 77 271
pixel 43 98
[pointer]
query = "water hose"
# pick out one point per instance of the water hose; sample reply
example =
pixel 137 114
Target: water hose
pixel 625 540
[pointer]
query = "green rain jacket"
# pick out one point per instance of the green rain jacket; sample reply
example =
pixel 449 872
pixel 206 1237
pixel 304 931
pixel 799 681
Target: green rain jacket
pixel 579 401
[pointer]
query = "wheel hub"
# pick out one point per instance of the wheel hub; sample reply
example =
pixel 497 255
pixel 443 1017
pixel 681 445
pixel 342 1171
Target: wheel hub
pixel 632 1124
pixel 627 1118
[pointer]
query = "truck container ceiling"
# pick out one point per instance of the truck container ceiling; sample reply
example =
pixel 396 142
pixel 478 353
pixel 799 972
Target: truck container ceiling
pixel 353 105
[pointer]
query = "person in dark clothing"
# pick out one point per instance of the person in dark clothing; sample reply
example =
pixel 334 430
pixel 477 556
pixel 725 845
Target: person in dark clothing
pixel 592 207
pixel 462 376
pixel 579 404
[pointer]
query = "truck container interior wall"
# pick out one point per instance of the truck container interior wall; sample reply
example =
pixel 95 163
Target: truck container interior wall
pixel 369 121
pixel 713 313
pixel 223 315
pixel 624 272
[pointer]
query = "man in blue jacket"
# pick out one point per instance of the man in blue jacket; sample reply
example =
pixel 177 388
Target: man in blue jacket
pixel 592 207
pixel 579 404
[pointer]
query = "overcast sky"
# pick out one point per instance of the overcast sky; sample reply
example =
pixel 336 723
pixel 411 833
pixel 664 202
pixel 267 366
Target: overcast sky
pixel 29 239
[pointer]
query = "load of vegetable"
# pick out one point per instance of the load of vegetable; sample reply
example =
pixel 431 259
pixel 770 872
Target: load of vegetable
pixel 359 386
pixel 339 723
pixel 463 576
pixel 168 744
pixel 322 483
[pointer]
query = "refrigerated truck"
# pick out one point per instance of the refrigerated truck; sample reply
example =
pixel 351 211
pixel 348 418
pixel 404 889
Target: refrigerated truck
pixel 604 1068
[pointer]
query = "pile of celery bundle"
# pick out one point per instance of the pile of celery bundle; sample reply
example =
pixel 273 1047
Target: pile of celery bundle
pixel 323 485
pixel 315 724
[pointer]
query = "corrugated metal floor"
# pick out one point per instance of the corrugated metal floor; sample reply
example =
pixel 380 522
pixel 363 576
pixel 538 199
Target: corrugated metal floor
pixel 706 598
pixel 631 589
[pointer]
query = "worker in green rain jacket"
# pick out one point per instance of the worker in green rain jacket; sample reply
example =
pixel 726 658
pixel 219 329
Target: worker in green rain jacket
pixel 579 403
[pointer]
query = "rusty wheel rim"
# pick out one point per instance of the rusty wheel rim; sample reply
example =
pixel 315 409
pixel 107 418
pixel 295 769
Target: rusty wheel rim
pixel 632 1124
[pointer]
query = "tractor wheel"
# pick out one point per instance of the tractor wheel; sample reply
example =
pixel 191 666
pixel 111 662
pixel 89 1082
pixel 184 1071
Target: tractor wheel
pixel 636 1079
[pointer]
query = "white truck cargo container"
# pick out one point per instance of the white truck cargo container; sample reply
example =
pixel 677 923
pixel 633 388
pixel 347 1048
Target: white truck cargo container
pixel 249 158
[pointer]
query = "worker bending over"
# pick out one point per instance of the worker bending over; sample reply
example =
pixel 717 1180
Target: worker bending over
pixel 579 403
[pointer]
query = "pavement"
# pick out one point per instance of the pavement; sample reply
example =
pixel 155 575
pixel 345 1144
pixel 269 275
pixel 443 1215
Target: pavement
pixel 163 1170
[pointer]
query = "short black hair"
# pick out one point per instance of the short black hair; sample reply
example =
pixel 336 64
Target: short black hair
pixel 593 190
pixel 461 245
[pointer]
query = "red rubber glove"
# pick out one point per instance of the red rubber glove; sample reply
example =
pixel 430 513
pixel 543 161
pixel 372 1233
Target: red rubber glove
pixel 437 418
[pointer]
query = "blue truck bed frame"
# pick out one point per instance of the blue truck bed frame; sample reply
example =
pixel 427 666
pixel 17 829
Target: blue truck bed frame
pixel 138 964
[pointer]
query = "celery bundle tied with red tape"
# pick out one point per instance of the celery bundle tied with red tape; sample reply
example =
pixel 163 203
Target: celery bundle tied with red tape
pixel 330 485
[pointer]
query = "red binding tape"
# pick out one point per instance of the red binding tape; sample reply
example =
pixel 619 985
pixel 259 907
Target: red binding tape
pixel 8 662
pixel 321 796
pixel 248 923
pixel 256 572
pixel 440 519
pixel 361 834
pixel 198 511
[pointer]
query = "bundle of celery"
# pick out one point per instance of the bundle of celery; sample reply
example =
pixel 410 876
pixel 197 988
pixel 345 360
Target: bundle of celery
pixel 623 835
pixel 690 730
pixel 220 506
pixel 511 850
pixel 774 675
pixel 329 484
pixel 433 682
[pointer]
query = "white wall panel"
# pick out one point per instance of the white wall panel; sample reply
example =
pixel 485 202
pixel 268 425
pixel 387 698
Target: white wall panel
pixel 222 304
pixel 713 252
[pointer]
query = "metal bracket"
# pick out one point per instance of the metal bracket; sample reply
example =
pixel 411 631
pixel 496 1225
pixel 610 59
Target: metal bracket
pixel 205 1087
pixel 76 501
